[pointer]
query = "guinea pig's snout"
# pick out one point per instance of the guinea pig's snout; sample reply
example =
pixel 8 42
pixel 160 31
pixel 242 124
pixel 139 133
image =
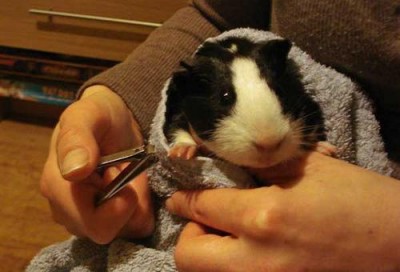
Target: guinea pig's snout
pixel 268 145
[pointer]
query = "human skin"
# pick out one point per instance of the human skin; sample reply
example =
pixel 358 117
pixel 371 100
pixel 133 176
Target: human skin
pixel 97 124
pixel 323 215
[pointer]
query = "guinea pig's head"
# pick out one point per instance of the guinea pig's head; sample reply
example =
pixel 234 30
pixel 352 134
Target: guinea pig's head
pixel 234 96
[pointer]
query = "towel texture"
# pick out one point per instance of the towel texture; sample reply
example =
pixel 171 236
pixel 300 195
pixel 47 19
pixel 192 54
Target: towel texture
pixel 350 124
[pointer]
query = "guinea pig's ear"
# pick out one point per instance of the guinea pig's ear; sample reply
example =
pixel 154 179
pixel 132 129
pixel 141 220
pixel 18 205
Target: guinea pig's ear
pixel 179 83
pixel 275 54
pixel 186 65
pixel 180 77
pixel 214 50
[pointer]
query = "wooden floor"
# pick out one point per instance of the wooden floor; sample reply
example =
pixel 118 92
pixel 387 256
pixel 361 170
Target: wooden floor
pixel 25 222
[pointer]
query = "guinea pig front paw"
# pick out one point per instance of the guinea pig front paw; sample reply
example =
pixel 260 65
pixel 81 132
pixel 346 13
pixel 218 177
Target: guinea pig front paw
pixel 326 148
pixel 182 151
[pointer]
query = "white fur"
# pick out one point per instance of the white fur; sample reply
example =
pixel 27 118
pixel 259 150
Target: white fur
pixel 257 119
pixel 181 136
pixel 233 49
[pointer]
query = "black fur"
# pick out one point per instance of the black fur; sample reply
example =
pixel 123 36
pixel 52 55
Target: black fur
pixel 201 92
pixel 200 95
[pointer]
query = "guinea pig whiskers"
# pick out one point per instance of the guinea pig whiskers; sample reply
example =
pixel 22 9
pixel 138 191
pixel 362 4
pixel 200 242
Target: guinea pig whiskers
pixel 304 117
pixel 296 104
pixel 205 133
pixel 311 134
pixel 311 128
pixel 212 156
pixel 306 134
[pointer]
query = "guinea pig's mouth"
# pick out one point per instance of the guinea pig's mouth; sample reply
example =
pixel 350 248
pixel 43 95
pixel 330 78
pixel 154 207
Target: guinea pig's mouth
pixel 267 161
pixel 255 150
pixel 263 161
pixel 263 156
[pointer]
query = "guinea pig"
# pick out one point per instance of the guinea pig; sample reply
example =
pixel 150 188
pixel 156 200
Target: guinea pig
pixel 243 102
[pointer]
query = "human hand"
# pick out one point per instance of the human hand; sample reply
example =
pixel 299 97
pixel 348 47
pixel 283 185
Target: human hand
pixel 325 215
pixel 97 124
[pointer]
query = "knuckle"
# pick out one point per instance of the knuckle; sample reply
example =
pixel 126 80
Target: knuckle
pixel 186 204
pixel 268 220
pixel 194 209
pixel 81 109
pixel 67 134
pixel 68 114
pixel 197 213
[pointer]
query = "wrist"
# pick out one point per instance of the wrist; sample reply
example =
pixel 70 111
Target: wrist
pixel 115 106
pixel 94 89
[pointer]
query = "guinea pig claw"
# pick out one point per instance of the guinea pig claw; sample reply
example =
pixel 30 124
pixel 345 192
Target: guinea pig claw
pixel 326 148
pixel 182 151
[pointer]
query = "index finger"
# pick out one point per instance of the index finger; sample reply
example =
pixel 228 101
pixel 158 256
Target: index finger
pixel 231 210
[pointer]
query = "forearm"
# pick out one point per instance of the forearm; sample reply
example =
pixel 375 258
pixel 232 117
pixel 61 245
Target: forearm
pixel 140 78
pixel 228 14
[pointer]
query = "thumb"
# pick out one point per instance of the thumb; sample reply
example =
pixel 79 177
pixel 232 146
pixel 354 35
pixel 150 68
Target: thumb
pixel 98 123
pixel 80 127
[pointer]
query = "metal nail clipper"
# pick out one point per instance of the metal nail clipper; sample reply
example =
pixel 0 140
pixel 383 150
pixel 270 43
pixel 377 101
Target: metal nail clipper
pixel 140 159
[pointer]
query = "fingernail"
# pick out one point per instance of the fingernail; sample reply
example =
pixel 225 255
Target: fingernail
pixel 74 160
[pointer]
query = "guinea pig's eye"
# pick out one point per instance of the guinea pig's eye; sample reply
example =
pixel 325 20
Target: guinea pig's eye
pixel 227 97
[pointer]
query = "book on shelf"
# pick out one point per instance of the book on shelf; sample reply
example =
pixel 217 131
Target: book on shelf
pixel 49 66
pixel 54 93
pixel 38 84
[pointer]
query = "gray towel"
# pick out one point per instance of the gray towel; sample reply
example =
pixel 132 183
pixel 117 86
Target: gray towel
pixel 350 124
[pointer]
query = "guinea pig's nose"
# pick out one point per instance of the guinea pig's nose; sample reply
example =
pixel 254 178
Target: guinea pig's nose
pixel 268 146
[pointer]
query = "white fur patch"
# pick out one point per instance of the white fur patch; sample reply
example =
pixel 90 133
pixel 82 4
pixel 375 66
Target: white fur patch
pixel 181 136
pixel 233 48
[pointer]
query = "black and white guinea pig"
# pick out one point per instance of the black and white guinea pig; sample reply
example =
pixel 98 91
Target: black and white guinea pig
pixel 245 103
